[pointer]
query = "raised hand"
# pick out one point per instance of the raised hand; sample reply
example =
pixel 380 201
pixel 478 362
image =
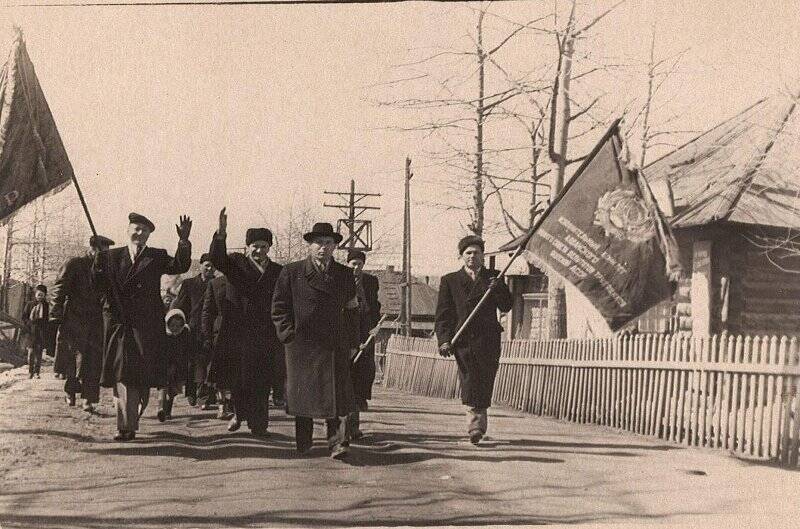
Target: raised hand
pixel 184 228
pixel 223 223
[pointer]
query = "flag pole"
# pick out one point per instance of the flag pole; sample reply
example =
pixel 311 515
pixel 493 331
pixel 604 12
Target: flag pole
pixel 613 128
pixel 83 203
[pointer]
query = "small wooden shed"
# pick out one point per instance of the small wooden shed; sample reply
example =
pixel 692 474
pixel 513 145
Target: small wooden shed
pixel 732 197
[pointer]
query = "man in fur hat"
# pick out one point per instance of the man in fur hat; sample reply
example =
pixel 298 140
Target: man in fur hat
pixel 314 310
pixel 77 309
pixel 134 358
pixel 251 342
pixel 477 351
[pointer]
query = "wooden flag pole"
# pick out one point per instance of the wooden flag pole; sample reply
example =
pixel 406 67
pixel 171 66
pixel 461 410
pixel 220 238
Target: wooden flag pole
pixel 83 203
pixel 369 339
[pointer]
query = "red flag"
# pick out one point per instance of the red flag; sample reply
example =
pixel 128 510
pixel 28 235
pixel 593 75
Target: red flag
pixel 606 235
pixel 33 161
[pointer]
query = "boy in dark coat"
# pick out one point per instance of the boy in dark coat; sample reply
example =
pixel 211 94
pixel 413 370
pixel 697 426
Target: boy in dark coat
pixel 477 351
pixel 177 346
pixel 35 316
pixel 134 358
pixel 253 342
pixel 314 310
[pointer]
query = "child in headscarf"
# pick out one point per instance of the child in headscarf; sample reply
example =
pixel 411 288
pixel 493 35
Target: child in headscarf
pixel 177 359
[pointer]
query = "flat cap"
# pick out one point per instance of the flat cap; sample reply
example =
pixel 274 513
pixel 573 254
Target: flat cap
pixel 135 218
pixel 356 254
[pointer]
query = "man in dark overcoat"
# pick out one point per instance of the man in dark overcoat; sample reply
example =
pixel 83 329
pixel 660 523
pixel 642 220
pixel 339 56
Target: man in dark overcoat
pixel 362 370
pixel 35 316
pixel 477 350
pixel 314 310
pixel 190 301
pixel 134 356
pixel 221 312
pixel 76 306
pixel 253 341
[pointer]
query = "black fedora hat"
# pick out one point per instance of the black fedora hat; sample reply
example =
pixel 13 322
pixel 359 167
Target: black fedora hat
pixel 322 229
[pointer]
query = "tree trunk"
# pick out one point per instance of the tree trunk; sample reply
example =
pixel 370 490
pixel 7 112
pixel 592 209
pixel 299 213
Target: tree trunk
pixel 477 197
pixel 556 296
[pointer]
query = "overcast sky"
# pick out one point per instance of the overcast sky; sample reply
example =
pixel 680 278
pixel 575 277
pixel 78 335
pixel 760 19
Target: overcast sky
pixel 171 110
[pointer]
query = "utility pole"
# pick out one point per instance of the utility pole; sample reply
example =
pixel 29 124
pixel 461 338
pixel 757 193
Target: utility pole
pixel 405 309
pixel 359 231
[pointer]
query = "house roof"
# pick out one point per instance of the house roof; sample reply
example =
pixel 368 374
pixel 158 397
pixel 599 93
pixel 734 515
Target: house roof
pixel 744 170
pixel 423 296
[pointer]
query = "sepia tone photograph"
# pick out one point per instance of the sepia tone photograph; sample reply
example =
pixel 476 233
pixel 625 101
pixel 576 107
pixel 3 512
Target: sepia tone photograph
pixel 388 263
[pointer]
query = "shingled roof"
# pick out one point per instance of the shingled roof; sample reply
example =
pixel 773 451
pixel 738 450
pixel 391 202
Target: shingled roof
pixel 744 170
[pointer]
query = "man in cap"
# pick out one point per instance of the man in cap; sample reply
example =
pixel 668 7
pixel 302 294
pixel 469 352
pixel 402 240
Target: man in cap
pixel 35 316
pixel 314 310
pixel 477 350
pixel 252 341
pixel 134 358
pixel 76 306
pixel 190 301
pixel 362 371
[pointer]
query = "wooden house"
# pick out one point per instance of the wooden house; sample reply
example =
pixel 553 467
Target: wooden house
pixel 732 197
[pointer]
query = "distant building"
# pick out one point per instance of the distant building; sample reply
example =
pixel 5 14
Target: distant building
pixel 423 301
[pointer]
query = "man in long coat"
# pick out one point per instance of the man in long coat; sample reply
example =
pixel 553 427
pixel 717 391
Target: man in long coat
pixel 76 306
pixel 362 371
pixel 314 312
pixel 221 312
pixel 190 301
pixel 134 358
pixel 477 350
pixel 253 341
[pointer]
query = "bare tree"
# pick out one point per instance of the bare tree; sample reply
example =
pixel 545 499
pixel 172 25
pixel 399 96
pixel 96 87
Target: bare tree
pixel 462 116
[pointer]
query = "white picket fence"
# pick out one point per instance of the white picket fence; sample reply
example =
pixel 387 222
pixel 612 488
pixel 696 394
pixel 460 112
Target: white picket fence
pixel 735 393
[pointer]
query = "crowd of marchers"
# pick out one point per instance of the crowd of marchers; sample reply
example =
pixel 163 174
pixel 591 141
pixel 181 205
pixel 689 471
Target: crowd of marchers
pixel 245 328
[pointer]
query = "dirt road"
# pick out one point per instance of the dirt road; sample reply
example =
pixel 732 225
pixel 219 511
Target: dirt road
pixel 59 468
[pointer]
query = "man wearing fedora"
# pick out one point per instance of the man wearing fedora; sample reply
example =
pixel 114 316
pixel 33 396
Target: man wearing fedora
pixel 134 356
pixel 251 338
pixel 76 306
pixel 362 371
pixel 190 301
pixel 315 312
pixel 477 350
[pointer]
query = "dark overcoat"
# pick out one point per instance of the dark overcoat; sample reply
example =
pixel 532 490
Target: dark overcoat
pixel 369 312
pixel 36 330
pixel 133 313
pixel 477 351
pixel 313 320
pixel 76 305
pixel 246 338
pixel 190 301
pixel 218 311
